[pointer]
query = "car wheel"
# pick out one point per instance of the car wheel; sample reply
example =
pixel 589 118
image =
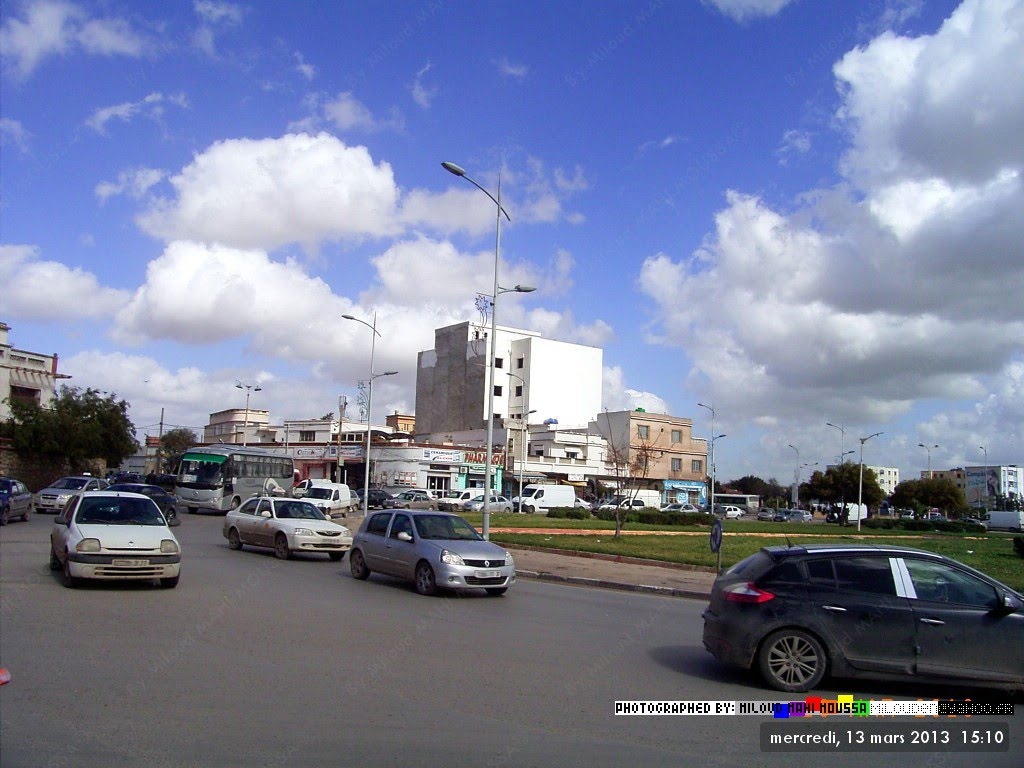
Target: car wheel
pixel 193 510
pixel 24 515
pixel 426 584
pixel 529 510
pixel 68 580
pixel 54 560
pixel 792 660
pixel 234 540
pixel 357 565
pixel 335 556
pixel 5 515
pixel 496 591
pixel 170 582
pixel 281 549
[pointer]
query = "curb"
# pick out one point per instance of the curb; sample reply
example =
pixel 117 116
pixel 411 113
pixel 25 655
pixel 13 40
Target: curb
pixel 583 581
pixel 613 558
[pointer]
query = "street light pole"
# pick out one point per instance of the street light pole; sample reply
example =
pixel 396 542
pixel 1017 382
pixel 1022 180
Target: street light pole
pixel 459 171
pixel 711 458
pixel 929 449
pixel 984 479
pixel 795 496
pixel 369 405
pixel 860 484
pixel 247 388
pixel 524 428
pixel 842 439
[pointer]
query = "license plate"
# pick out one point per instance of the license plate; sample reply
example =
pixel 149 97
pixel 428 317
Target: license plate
pixel 133 563
pixel 488 574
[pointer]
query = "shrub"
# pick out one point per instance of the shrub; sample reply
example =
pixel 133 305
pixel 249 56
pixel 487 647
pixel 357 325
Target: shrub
pixel 883 523
pixel 1018 545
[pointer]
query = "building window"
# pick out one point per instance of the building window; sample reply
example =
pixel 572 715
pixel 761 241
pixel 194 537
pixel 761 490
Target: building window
pixel 519 362
pixel 677 465
pixel 643 431
pixel 499 362
pixel 497 390
pixel 519 390
pixel 572 455
pixel 677 435
pixel 696 466
pixel 307 436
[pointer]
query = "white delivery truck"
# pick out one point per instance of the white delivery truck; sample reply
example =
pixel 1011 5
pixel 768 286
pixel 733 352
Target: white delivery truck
pixel 1012 520
pixel 538 499
pixel 333 499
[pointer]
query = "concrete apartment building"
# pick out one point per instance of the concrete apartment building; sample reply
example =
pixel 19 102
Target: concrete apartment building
pixel 535 378
pixel 888 478
pixel 982 485
pixel 25 375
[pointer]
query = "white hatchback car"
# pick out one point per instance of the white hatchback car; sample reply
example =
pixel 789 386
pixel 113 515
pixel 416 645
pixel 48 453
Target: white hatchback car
pixel 287 525
pixel 729 512
pixel 114 535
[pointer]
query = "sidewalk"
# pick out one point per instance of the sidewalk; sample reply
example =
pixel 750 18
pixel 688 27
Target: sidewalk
pixel 611 572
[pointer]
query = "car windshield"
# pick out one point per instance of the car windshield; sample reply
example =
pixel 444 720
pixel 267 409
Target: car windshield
pixel 71 483
pixel 5 486
pixel 298 510
pixel 318 493
pixel 115 510
pixel 445 527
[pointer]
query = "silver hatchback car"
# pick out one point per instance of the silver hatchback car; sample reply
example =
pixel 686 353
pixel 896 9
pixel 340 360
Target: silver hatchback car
pixel 434 550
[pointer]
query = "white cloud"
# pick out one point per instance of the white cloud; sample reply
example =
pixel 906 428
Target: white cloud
pixel 508 69
pixel 266 193
pixel 616 396
pixel 51 28
pixel 134 182
pixel 793 143
pixel 12 132
pixel 50 290
pixel 305 69
pixel 152 106
pixel 421 94
pixel 214 16
pixel 744 10
pixel 348 113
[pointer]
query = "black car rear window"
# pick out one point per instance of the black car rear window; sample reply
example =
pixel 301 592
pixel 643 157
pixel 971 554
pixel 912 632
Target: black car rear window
pixel 752 567
pixel 865 574
pixel 378 524
pixel 786 572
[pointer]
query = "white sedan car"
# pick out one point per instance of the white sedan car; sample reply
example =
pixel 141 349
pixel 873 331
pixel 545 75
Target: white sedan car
pixel 496 504
pixel 730 512
pixel 286 525
pixel 114 535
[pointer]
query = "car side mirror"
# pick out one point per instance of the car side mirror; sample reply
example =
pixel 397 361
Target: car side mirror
pixel 403 536
pixel 1009 603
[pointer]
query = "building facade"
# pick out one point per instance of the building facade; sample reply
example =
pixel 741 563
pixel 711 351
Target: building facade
pixel 26 376
pixel 532 377
pixel 888 478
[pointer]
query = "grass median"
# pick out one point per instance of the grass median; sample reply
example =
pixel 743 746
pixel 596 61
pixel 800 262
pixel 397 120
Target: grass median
pixel 990 553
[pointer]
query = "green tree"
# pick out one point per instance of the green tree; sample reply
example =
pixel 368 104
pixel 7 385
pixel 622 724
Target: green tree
pixel 79 426
pixel 941 493
pixel 772 494
pixel 174 443
pixel 840 484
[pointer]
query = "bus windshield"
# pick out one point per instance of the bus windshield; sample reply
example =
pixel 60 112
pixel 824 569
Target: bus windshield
pixel 202 470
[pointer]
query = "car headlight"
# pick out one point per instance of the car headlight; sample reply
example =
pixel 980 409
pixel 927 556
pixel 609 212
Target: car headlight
pixel 451 558
pixel 345 531
pixel 303 532
pixel 169 547
pixel 62 497
pixel 88 545
pixel 508 558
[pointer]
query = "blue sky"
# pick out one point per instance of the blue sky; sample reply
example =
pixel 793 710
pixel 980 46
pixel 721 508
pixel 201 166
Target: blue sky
pixel 796 211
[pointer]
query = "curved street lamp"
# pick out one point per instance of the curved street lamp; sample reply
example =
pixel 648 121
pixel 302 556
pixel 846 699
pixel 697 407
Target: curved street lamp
pixel 369 405
pixel 460 172
pixel 249 388
pixel 860 484
pixel 929 449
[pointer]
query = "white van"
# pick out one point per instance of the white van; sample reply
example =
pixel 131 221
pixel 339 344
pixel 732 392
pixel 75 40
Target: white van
pixel 541 498
pixel 1003 520
pixel 333 499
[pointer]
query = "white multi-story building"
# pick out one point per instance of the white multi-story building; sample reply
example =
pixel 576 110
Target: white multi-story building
pixel 535 378
pixel 25 375
pixel 984 485
pixel 888 478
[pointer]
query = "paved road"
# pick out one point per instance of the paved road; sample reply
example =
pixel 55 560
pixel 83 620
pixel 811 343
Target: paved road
pixel 256 661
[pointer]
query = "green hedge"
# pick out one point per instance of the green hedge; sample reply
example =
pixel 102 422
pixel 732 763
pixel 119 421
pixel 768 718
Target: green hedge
pixel 945 526
pixel 570 513
pixel 1018 545
pixel 651 516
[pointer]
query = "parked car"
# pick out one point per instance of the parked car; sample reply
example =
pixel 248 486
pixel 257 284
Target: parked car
pixel 626 504
pixel 792 516
pixel 495 504
pixel 15 500
pixel 453 500
pixel 728 511
pixel 766 513
pixel 799 613
pixel 112 536
pixel 126 477
pixel 677 507
pixel 287 526
pixel 378 499
pixel 333 499
pixel 53 498
pixel 167 502
pixel 414 498
pixel 434 550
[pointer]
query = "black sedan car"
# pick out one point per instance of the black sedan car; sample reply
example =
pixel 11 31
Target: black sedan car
pixel 797 613
pixel 167 502
pixel 378 499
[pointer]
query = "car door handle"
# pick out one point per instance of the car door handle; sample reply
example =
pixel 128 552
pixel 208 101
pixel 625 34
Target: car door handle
pixel 936 622
pixel 834 608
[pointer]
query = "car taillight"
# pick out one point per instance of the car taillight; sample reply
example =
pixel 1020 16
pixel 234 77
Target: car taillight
pixel 746 593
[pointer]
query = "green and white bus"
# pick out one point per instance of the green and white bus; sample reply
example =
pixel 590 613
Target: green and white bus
pixel 219 478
